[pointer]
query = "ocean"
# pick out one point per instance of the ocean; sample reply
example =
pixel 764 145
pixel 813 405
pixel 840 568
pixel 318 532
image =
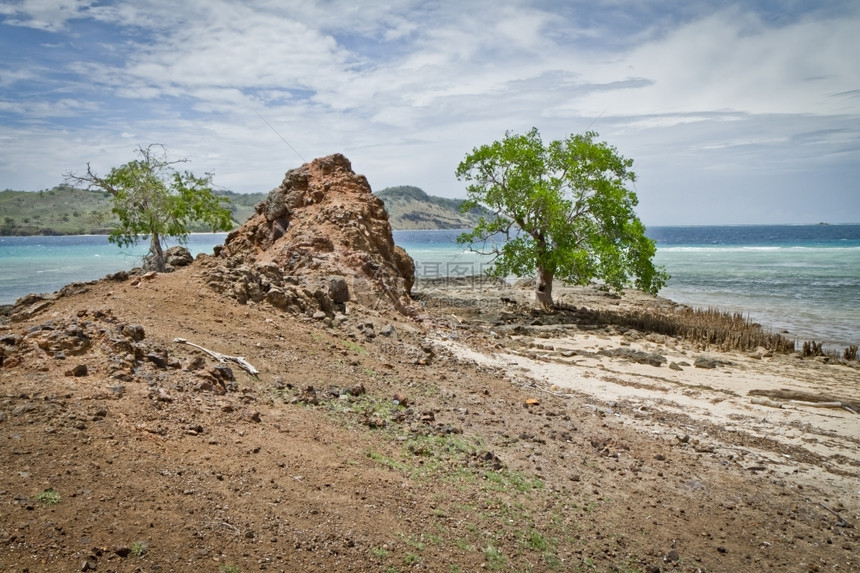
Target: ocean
pixel 803 281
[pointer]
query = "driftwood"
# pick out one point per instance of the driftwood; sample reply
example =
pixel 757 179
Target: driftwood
pixel 842 521
pixel 766 402
pixel 817 404
pixel 222 357
pixel 809 399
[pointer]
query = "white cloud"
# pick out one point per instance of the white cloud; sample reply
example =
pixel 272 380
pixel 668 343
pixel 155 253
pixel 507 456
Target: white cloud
pixel 42 109
pixel 730 61
pixel 406 89
pixel 48 15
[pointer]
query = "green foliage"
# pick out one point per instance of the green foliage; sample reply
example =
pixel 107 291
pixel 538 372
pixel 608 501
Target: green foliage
pixel 495 558
pixel 152 198
pixel 138 548
pixel 564 210
pixel 48 497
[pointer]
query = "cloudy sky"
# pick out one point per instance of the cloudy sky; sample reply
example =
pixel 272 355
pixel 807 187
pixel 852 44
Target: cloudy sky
pixel 734 112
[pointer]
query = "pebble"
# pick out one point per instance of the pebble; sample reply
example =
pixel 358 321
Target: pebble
pixel 78 371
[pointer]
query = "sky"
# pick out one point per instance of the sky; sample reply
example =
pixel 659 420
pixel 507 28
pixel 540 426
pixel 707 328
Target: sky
pixel 733 112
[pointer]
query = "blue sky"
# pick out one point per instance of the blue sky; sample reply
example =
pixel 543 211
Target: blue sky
pixel 735 113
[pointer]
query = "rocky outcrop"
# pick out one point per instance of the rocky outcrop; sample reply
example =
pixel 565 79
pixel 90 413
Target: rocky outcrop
pixel 318 241
pixel 174 258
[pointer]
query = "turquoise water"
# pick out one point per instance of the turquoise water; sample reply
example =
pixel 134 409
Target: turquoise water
pixel 801 279
pixel 46 264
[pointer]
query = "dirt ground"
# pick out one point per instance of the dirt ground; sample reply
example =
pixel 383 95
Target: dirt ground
pixel 478 437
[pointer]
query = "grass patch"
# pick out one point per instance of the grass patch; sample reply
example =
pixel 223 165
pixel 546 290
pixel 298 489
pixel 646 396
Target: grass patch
pixel 48 497
pixel 354 347
pixel 386 461
pixel 494 557
pixel 138 548
pixel 444 447
pixel 417 544
pixel 510 480
pixel 229 568
pixel 534 540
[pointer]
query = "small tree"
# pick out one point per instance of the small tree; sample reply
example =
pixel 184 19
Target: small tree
pixel 151 198
pixel 563 210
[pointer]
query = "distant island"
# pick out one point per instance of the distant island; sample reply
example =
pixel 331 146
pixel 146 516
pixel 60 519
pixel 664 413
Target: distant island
pixel 66 210
pixel 410 209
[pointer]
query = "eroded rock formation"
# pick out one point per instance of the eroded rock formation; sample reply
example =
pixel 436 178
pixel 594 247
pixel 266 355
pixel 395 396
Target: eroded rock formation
pixel 319 240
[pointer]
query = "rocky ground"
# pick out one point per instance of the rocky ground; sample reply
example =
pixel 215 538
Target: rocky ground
pixel 473 436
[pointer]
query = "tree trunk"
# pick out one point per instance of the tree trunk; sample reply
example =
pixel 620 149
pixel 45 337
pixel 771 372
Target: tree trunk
pixel 543 288
pixel 156 252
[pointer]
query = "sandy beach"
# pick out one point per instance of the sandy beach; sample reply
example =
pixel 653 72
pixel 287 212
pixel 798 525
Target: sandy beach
pixel 721 409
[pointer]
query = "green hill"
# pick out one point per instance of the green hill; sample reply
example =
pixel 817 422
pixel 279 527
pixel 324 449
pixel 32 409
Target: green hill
pixel 410 208
pixel 65 210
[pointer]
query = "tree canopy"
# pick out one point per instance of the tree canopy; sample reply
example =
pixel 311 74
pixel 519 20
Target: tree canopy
pixel 562 210
pixel 152 198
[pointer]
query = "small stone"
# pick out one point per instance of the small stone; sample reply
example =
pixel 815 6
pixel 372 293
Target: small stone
pixel 702 362
pixel 320 315
pixel 389 331
pixel 78 371
pixel 133 331
pixel 251 416
pixel 223 372
pixel 157 359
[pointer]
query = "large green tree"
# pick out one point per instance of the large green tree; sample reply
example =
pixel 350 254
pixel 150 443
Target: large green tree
pixel 152 198
pixel 562 210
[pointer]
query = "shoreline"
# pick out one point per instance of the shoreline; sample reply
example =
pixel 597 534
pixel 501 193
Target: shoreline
pixel 709 399
pixel 821 313
pixel 644 301
pixel 457 284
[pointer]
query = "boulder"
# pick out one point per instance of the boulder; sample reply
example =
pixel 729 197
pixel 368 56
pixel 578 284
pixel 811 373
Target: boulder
pixel 174 258
pixel 319 240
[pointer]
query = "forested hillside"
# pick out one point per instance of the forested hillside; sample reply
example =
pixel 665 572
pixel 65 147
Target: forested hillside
pixel 410 208
pixel 65 210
